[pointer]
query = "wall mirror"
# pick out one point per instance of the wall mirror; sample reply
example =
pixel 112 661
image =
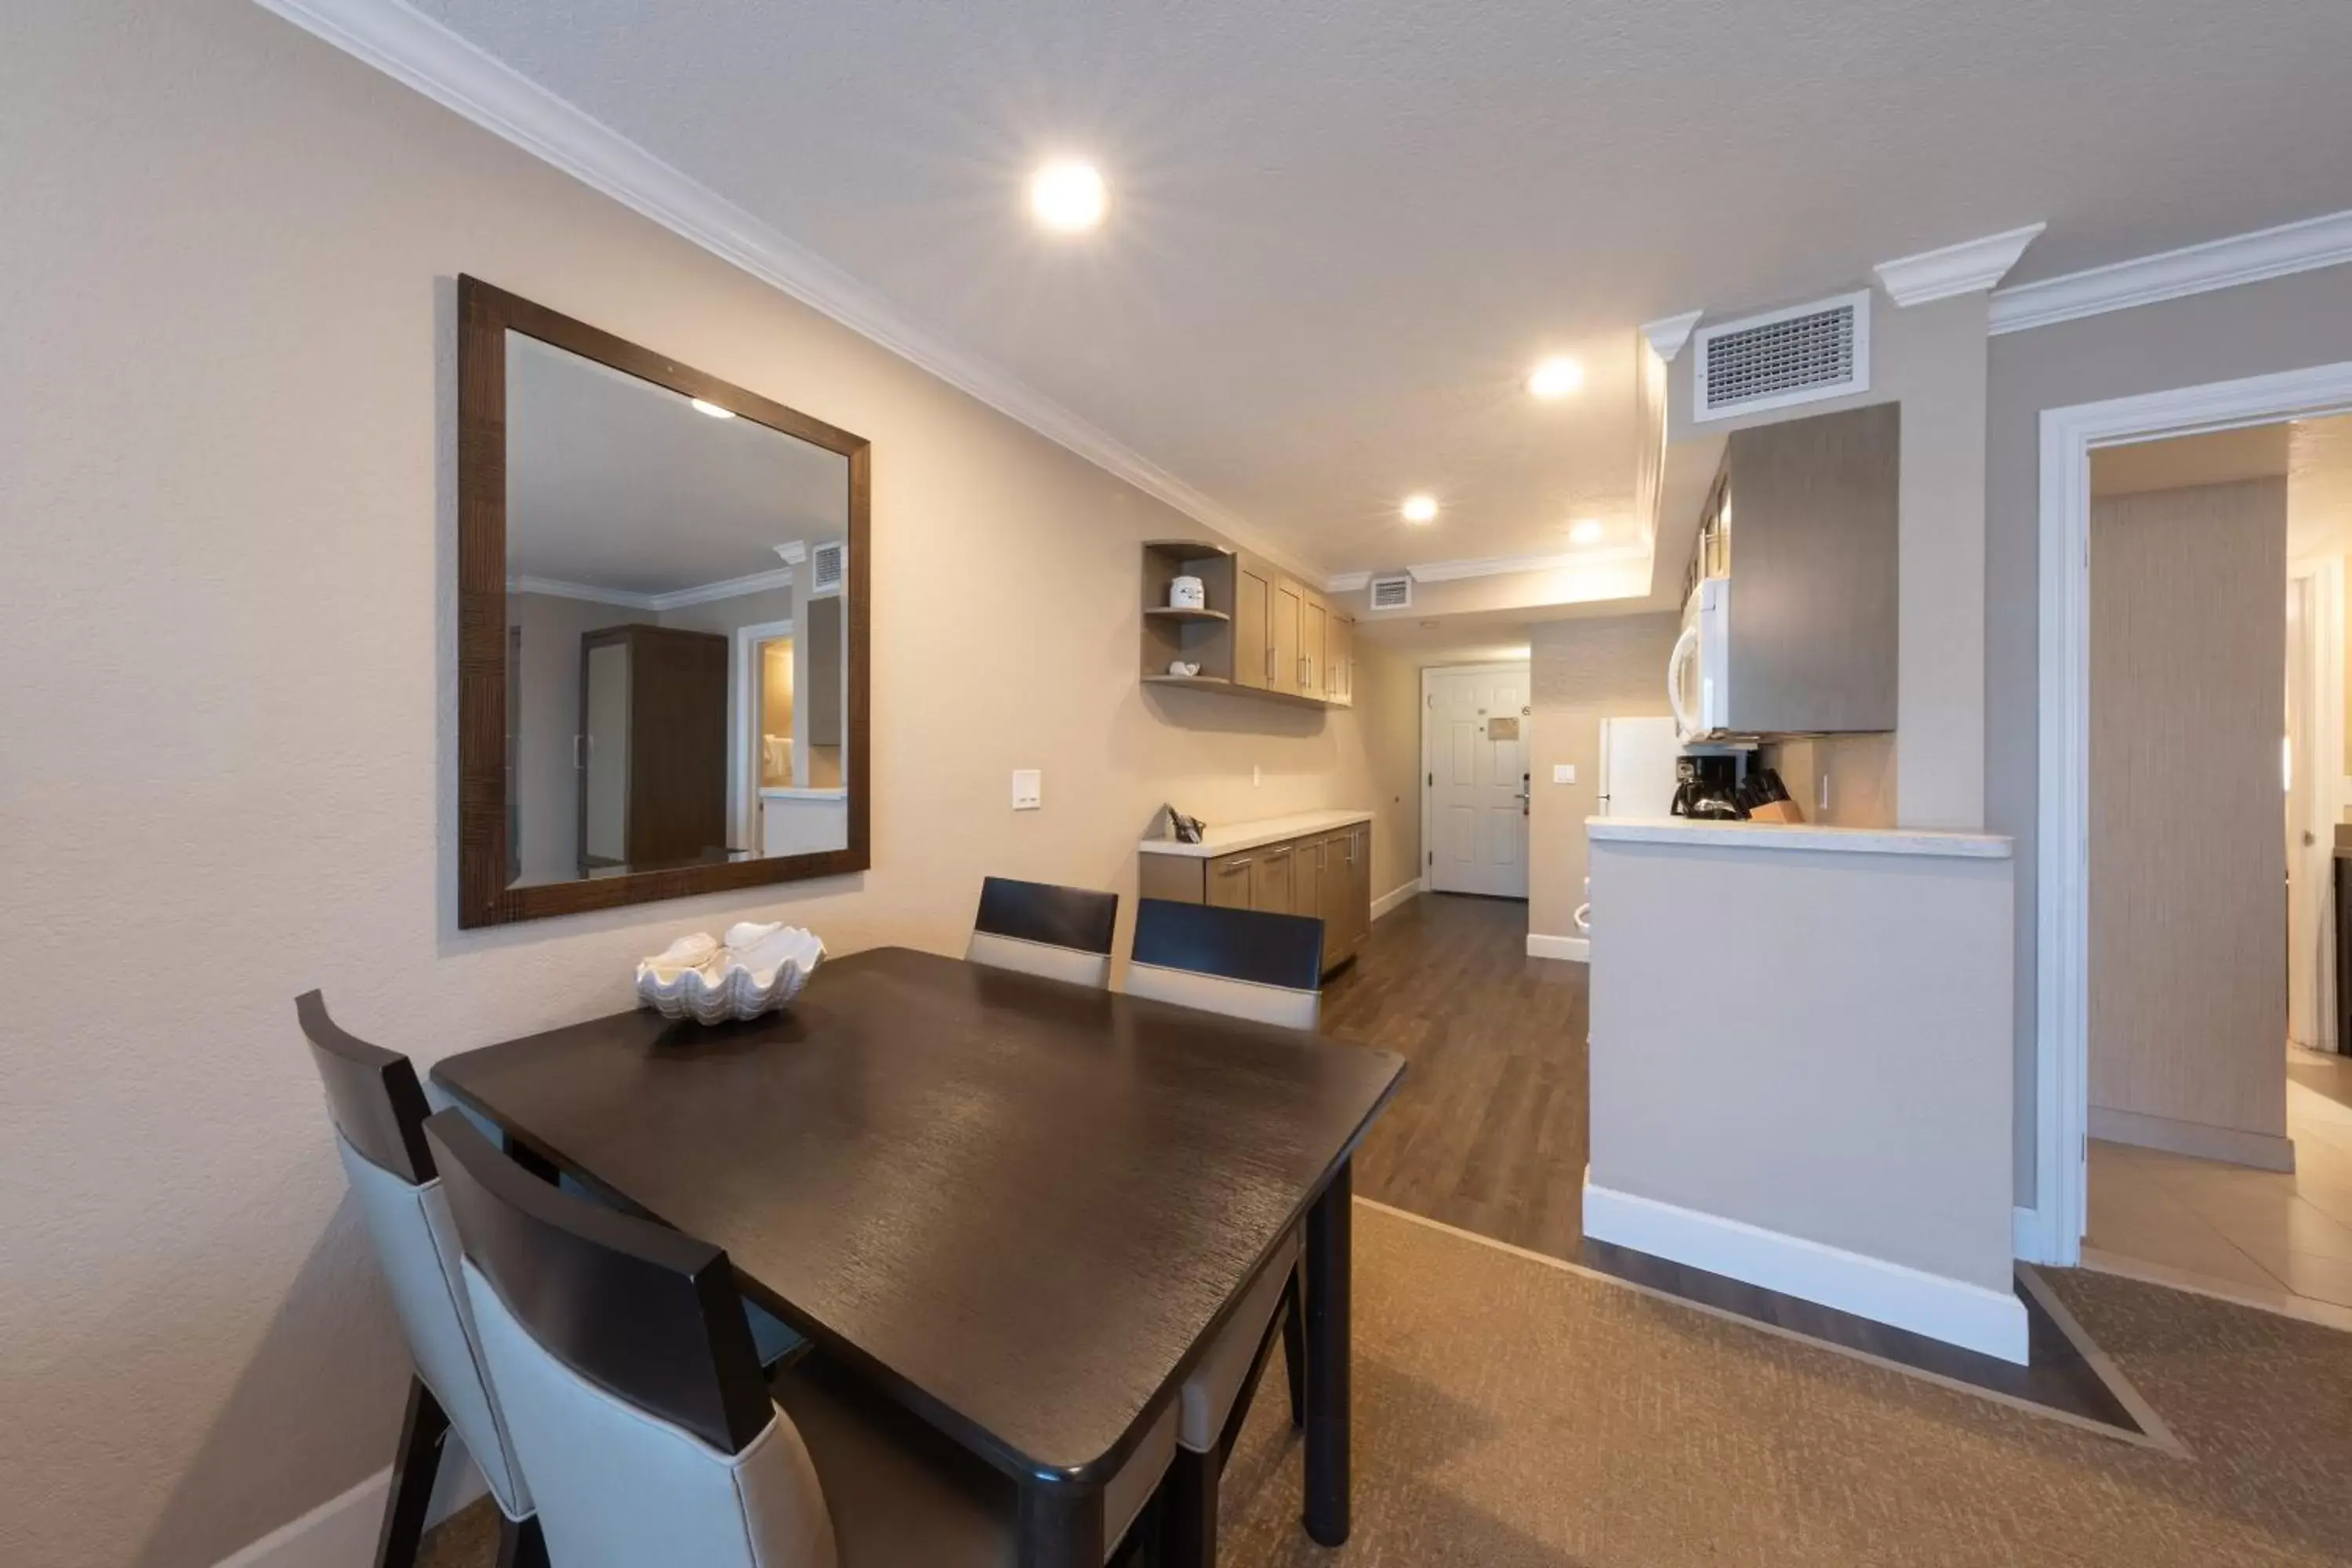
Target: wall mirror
pixel 662 625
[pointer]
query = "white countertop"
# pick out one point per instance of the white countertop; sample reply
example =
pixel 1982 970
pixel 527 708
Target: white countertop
pixel 1237 835
pixel 779 791
pixel 1799 836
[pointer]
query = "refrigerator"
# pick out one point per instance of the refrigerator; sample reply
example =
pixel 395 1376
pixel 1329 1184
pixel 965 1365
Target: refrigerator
pixel 1637 767
pixel 1637 779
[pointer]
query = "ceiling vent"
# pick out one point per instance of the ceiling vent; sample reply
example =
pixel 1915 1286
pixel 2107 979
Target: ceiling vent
pixel 828 564
pixel 1798 355
pixel 1392 592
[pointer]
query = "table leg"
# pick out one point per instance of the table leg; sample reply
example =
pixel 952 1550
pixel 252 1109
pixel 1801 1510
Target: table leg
pixel 1061 1525
pixel 1328 1244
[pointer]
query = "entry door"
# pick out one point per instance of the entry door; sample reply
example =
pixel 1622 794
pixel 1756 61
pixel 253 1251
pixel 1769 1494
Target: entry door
pixel 1474 762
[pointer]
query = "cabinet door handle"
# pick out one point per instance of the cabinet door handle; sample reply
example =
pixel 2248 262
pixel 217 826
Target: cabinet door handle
pixel 1305 679
pixel 1269 661
pixel 1277 854
pixel 1230 866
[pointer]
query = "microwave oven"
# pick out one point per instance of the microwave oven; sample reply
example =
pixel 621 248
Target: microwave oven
pixel 1698 673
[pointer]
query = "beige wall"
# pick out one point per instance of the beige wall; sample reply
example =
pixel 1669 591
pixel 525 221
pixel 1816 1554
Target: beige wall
pixel 2187 994
pixel 230 423
pixel 1582 672
pixel 1931 360
pixel 1862 1102
pixel 1861 773
pixel 2285 324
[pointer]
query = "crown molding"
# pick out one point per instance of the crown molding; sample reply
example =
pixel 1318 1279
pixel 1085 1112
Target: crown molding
pixel 2291 247
pixel 793 552
pixel 1487 566
pixel 1668 334
pixel 1971 266
pixel 419 52
pixel 676 599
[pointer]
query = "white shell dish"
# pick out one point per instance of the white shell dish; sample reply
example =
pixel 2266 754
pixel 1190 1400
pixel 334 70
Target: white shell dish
pixel 756 969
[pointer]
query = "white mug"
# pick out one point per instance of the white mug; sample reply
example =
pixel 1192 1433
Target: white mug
pixel 1187 594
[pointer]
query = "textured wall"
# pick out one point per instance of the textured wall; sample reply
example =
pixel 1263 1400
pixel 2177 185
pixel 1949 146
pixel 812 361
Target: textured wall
pixel 1584 671
pixel 2188 1008
pixel 227 478
pixel 2285 323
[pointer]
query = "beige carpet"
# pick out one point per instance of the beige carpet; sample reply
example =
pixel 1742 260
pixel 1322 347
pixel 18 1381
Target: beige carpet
pixel 1508 1413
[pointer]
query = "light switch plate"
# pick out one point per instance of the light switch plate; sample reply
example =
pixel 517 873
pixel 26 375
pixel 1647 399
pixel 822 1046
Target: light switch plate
pixel 1028 789
pixel 1563 772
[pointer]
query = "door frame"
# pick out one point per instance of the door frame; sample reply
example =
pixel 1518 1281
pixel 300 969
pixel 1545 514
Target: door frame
pixel 2051 1231
pixel 2321 582
pixel 743 692
pixel 1527 666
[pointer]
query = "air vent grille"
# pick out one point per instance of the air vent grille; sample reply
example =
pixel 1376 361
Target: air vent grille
pixel 828 564
pixel 1802 355
pixel 1392 592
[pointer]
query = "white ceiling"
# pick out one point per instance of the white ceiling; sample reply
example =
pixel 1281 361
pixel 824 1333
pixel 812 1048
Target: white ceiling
pixel 2313 456
pixel 1342 229
pixel 615 483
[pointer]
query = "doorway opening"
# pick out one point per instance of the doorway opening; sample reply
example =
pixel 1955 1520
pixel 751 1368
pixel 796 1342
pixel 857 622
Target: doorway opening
pixel 2218 1105
pixel 1475 781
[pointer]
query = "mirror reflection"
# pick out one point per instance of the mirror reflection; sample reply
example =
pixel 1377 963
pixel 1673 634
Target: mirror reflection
pixel 677 630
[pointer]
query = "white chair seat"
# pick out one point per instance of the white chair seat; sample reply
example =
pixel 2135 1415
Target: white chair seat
pixel 1216 1381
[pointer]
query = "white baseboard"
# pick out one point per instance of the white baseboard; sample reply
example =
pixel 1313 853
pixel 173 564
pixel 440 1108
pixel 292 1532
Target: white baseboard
pixel 1576 949
pixel 1395 897
pixel 1952 1310
pixel 2198 1140
pixel 342 1532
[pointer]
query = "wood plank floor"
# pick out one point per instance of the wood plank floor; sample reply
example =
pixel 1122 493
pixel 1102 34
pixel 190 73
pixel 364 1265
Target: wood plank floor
pixel 1490 1134
pixel 1488 1131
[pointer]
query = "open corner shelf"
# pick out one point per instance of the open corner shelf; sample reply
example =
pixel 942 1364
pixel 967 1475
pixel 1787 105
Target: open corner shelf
pixel 1169 613
pixel 1186 680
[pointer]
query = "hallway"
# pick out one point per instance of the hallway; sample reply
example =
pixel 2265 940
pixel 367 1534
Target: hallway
pixel 1489 1131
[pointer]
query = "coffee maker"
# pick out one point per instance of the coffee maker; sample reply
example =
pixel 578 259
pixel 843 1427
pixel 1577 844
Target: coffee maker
pixel 1707 785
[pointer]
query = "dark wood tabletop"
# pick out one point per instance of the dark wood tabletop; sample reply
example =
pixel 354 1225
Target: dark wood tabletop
pixel 1022 1205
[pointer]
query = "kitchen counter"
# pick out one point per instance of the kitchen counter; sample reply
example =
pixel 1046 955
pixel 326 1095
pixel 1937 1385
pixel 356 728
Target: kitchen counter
pixel 1238 836
pixel 1685 831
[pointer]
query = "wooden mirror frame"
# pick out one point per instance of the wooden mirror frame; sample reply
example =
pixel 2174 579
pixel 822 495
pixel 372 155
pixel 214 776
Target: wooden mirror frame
pixel 484 315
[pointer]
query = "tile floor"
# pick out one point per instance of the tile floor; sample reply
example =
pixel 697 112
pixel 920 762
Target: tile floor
pixel 2236 1231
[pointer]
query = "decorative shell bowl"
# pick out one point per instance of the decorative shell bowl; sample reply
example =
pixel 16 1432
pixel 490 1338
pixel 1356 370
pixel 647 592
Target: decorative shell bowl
pixel 754 969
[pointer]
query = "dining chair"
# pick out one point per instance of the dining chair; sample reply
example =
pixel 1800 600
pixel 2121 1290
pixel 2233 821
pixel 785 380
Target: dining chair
pixel 1249 963
pixel 379 1112
pixel 1255 965
pixel 649 1432
pixel 1061 934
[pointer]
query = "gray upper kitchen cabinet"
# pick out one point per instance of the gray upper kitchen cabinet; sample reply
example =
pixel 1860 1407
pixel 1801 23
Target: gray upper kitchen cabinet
pixel 1811 507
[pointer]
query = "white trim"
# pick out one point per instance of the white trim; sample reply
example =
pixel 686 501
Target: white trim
pixel 342 1530
pixel 2062 848
pixel 2196 1140
pixel 1974 1316
pixel 1971 266
pixel 793 552
pixel 1486 566
pixel 1668 334
pixel 2290 248
pixel 676 599
pixel 1859 382
pixel 418 51
pixel 1396 898
pixel 1574 949
pixel 725 588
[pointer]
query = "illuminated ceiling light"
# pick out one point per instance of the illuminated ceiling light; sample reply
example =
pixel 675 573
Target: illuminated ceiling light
pixel 1420 509
pixel 712 409
pixel 1588 531
pixel 1067 196
pixel 1556 378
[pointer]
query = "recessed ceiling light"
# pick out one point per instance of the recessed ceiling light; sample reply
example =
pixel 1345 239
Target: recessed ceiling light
pixel 712 409
pixel 1068 195
pixel 1420 509
pixel 1588 531
pixel 1556 378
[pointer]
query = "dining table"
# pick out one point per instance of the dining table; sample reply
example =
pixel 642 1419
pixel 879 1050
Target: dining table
pixel 1023 1209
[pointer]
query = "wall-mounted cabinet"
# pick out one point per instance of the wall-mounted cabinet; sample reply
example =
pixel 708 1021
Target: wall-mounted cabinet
pixel 1260 631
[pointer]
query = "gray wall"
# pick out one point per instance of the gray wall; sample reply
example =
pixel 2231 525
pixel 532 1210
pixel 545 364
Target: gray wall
pixel 2285 323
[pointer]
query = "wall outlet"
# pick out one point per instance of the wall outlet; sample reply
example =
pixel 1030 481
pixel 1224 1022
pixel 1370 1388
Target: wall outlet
pixel 1824 804
pixel 1563 772
pixel 1028 789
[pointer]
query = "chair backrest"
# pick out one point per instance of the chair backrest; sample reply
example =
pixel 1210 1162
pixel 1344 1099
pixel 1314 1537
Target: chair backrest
pixel 1251 964
pixel 626 1365
pixel 378 1109
pixel 1062 934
